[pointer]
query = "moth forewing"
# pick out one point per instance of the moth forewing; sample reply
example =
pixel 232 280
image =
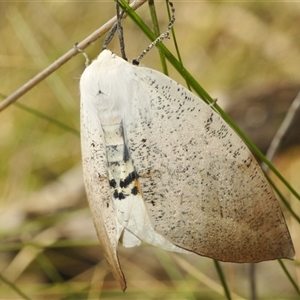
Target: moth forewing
pixel 94 161
pixel 203 188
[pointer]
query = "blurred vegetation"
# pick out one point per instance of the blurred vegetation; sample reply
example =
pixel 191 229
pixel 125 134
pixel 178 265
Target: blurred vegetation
pixel 49 249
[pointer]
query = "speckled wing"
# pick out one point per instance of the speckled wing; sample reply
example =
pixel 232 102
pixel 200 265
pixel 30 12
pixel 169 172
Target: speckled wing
pixel 95 171
pixel 202 187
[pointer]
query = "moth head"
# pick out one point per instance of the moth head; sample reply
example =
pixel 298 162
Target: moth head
pixel 106 86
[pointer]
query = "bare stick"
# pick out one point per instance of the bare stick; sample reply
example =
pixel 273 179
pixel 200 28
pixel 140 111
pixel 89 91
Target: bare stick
pixel 62 60
pixel 281 132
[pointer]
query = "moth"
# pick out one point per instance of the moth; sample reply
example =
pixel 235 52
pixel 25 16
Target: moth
pixel 161 166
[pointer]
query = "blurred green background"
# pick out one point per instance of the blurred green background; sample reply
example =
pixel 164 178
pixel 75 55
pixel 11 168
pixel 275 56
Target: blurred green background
pixel 240 52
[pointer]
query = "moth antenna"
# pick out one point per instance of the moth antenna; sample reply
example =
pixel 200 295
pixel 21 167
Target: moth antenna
pixel 160 38
pixel 87 59
pixel 120 30
pixel 116 27
pixel 109 36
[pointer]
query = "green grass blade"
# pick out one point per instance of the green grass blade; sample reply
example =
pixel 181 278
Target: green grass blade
pixel 285 201
pixel 287 273
pixel 176 44
pixel 14 287
pixel 222 279
pixel 38 114
pixel 157 33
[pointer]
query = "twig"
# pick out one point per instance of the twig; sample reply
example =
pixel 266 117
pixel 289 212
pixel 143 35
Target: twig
pixel 62 60
pixel 288 120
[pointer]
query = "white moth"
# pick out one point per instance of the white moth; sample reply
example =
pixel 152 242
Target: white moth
pixel 161 166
